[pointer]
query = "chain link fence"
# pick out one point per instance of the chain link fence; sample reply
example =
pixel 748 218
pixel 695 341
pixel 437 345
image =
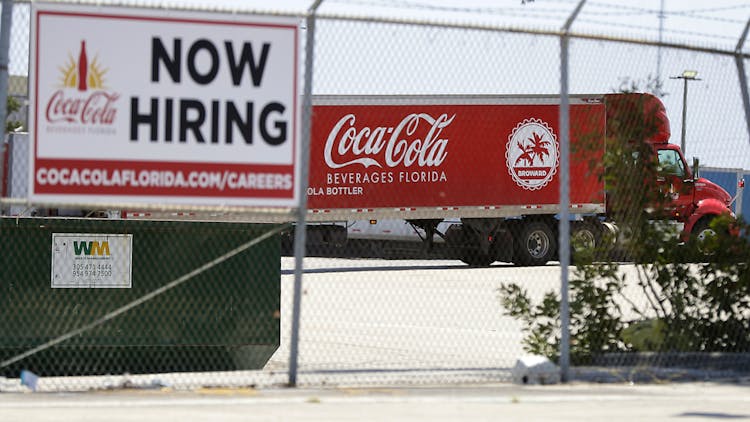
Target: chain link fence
pixel 433 215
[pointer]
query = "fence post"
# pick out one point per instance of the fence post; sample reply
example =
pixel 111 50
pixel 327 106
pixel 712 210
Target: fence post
pixel 738 57
pixel 301 229
pixel 5 23
pixel 564 239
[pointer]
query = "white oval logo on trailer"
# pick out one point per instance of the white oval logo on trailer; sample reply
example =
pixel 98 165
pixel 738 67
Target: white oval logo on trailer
pixel 532 154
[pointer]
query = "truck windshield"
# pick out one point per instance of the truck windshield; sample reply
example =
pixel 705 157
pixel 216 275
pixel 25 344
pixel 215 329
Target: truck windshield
pixel 670 163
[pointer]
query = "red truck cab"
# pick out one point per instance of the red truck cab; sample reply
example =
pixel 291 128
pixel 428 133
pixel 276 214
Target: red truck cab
pixel 692 200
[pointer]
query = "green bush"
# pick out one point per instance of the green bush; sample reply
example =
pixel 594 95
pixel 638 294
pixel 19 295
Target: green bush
pixel 12 106
pixel 688 307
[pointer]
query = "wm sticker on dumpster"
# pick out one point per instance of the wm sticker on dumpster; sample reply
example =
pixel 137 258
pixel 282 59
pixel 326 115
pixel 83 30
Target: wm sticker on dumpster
pixel 91 260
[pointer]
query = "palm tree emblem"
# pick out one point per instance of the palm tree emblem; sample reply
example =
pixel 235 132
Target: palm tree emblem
pixel 532 154
pixel 536 147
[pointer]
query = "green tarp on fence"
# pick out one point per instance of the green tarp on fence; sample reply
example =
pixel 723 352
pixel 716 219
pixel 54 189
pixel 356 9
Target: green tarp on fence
pixel 224 318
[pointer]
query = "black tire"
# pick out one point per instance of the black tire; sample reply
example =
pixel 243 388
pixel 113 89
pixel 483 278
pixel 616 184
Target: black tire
pixel 702 238
pixel 477 259
pixel 464 243
pixel 585 238
pixel 536 245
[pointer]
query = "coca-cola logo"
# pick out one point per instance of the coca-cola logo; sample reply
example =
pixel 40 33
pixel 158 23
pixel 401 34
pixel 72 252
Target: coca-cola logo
pixel 532 154
pixel 415 141
pixel 82 97
pixel 96 108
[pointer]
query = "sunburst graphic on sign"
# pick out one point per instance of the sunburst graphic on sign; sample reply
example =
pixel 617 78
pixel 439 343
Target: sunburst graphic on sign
pixel 94 76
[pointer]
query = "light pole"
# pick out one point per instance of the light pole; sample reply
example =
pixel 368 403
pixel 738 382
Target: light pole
pixel 688 75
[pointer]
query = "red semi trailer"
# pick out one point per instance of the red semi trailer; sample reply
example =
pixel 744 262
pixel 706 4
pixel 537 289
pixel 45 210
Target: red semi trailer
pixel 481 173
pixel 490 161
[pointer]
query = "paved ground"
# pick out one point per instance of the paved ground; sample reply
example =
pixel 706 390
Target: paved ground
pixel 571 402
pixel 436 321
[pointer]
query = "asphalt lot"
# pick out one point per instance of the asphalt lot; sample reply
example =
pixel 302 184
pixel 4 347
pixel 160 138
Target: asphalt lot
pixel 409 315
pixel 373 322
pixel 384 340
pixel 413 315
pixel 502 402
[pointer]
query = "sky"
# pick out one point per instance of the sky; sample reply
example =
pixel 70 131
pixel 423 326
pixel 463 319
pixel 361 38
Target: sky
pixel 717 23
pixel 365 57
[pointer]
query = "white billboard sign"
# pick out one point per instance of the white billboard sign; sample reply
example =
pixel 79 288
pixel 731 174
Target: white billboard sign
pixel 162 106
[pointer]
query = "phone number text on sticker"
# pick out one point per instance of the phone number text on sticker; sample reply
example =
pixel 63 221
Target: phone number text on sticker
pixel 88 261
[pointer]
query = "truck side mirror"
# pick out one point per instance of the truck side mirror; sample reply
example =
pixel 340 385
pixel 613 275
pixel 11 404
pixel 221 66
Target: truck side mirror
pixel 696 167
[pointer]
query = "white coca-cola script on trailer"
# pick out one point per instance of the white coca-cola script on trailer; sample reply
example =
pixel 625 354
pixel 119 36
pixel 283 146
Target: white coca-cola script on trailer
pixel 403 144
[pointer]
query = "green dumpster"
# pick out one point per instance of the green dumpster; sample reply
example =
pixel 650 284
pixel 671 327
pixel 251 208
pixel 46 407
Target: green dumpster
pixel 59 275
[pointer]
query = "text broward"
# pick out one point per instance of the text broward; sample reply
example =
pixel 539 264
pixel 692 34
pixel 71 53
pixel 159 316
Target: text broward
pixel 214 120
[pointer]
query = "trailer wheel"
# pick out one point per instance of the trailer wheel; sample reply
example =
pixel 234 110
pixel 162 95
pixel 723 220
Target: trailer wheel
pixel 536 245
pixel 463 244
pixel 477 259
pixel 585 238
